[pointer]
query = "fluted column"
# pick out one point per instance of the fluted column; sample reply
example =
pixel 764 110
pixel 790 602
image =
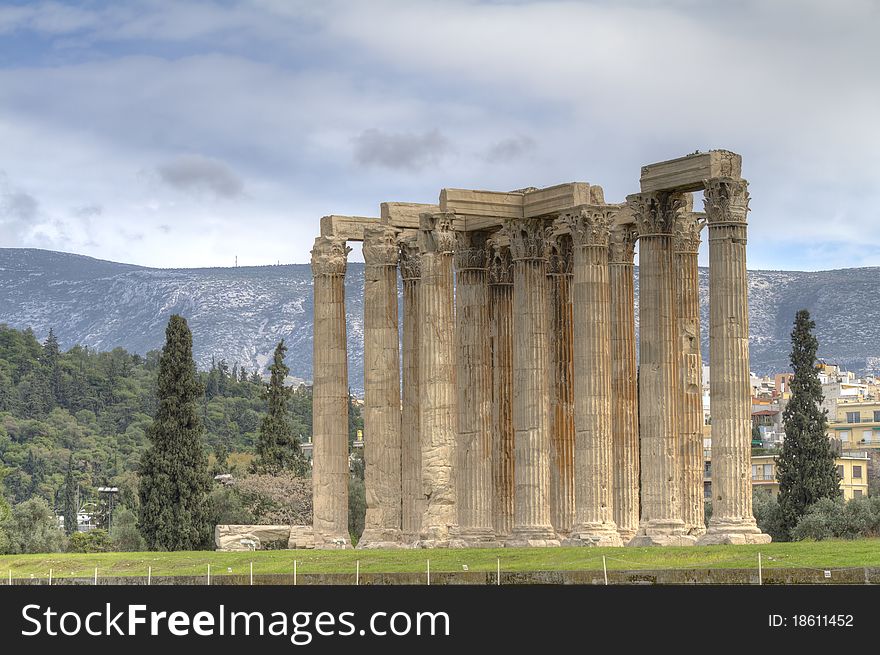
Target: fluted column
pixel 690 417
pixel 624 396
pixel 531 386
pixel 474 379
pixel 501 340
pixel 412 504
pixel 594 513
pixel 330 396
pixel 727 203
pixel 562 464
pixel 382 475
pixel 660 521
pixel 437 420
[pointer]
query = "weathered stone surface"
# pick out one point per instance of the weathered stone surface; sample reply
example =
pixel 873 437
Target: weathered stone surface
pixel 437 419
pixel 405 215
pixel 727 203
pixel 250 537
pixel 624 396
pixel 347 228
pixel 382 475
pixel 474 379
pixel 301 536
pixel 412 502
pixel 690 418
pixel 330 396
pixel 531 407
pixel 501 344
pixel 690 172
pixel 660 521
pixel 562 434
pixel 591 305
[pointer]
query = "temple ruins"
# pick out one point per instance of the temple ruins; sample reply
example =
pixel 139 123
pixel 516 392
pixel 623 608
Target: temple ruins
pixel 511 410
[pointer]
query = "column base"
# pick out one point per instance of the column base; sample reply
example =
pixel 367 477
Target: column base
pixel 330 542
pixel 434 537
pixel 382 538
pixel 660 532
pixel 626 535
pixel 733 531
pixel 594 534
pixel 532 537
pixel 473 538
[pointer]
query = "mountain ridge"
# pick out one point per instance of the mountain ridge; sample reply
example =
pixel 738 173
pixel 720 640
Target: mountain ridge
pixel 239 313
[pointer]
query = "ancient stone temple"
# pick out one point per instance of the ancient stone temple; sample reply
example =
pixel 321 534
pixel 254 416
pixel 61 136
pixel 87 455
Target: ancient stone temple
pixel 515 408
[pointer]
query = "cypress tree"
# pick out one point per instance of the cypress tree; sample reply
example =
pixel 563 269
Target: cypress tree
pixel 277 447
pixel 70 508
pixel 174 479
pixel 805 468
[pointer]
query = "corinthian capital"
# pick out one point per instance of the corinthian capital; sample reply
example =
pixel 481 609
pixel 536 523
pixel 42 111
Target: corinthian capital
pixel 500 264
pixel 654 213
pixel 589 224
pixel 622 243
pixel 436 232
pixel 329 256
pixel 559 254
pixel 686 237
pixel 726 200
pixel 470 251
pixel 380 246
pixel 527 238
pixel 410 260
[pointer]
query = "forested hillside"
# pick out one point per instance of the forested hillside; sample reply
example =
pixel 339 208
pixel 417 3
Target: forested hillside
pixel 96 406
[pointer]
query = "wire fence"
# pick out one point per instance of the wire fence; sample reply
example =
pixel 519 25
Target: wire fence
pixel 588 569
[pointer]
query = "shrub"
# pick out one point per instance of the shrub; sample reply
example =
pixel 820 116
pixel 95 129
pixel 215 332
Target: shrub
pixel 94 541
pixel 124 533
pixel 226 507
pixel 825 519
pixel 768 515
pixel 357 508
pixel 33 528
pixel 277 499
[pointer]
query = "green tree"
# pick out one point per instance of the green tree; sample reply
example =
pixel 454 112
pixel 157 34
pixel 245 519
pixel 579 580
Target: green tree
pixel 124 535
pixel 70 508
pixel 51 359
pixel 33 528
pixel 805 468
pixel 174 479
pixel 278 449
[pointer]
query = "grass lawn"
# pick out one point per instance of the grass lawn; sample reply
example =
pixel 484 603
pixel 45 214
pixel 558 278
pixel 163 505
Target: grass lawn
pixel 820 555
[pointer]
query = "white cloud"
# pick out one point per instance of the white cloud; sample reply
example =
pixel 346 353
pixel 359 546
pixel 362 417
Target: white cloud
pixel 297 109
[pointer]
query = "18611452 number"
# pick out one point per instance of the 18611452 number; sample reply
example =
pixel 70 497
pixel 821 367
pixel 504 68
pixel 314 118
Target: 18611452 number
pixel 822 620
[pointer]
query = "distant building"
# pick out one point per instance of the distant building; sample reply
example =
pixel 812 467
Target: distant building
pixel 853 470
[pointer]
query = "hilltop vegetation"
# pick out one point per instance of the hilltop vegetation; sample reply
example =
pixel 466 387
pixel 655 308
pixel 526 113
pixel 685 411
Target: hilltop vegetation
pixel 96 406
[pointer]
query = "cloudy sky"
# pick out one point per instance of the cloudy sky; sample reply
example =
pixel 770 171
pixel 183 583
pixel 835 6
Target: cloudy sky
pixel 188 133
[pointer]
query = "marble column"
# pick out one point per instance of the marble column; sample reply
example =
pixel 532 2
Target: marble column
pixel 594 478
pixel 732 522
pixel 473 448
pixel 330 396
pixel 660 522
pixel 531 386
pixel 690 417
pixel 437 419
pixel 382 474
pixel 562 437
pixel 412 504
pixel 624 396
pixel 501 343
